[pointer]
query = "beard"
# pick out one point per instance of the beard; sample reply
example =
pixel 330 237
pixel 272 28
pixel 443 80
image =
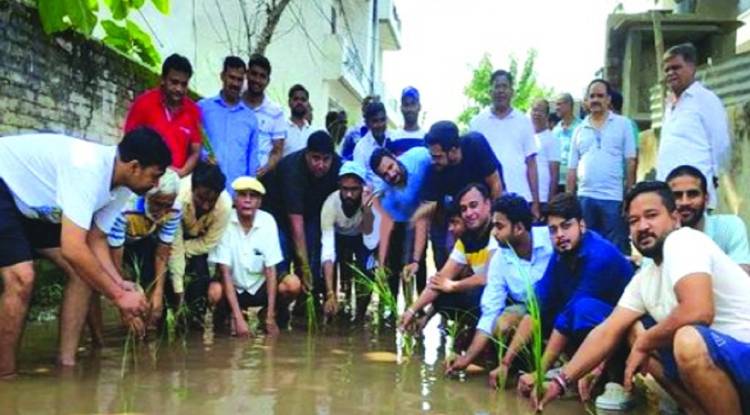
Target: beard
pixel 298 112
pixel 654 250
pixel 350 206
pixel 693 219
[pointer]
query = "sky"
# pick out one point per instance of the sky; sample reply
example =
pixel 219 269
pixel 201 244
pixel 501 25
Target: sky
pixel 441 42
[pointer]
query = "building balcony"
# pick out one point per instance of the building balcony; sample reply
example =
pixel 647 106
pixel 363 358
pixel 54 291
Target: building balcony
pixel 346 64
pixel 389 25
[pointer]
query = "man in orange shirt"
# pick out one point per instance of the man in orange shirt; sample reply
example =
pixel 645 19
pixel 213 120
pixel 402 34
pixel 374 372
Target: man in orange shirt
pixel 169 111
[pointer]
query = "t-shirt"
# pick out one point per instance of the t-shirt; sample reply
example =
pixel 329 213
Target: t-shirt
pixel 564 135
pixel 599 156
pixel 179 129
pixel 477 162
pixel 730 233
pixel 134 223
pixel 50 175
pixel 248 254
pixel 687 251
pixel 333 221
pixel 475 250
pixel 292 189
pixel 400 202
pixel 549 151
pixel 512 141
pixel 402 141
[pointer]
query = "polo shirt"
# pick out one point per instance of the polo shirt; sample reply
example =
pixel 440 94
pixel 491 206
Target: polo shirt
pixel 475 250
pixel 730 234
pixel 179 129
pixel 400 202
pixel 477 162
pixel 509 276
pixel 248 253
pixel 232 132
pixel 271 127
pixel 597 270
pixel 694 132
pixel 512 140
pixel 564 135
pixel 549 152
pixel 134 224
pixel 296 137
pixel 599 155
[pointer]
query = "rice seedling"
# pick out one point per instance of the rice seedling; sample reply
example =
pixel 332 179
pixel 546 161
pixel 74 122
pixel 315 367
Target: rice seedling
pixel 534 310
pixel 310 309
pixel 405 341
pixel 378 284
pixel 502 347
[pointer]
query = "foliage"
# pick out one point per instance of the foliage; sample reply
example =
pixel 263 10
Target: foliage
pixel 122 34
pixel 525 86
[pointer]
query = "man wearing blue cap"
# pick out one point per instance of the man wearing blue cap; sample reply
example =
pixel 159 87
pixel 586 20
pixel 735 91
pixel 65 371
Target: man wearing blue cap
pixel 411 135
pixel 345 217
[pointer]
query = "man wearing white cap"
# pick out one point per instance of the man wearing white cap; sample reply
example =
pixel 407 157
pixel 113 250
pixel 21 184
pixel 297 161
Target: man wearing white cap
pixel 346 216
pixel 246 257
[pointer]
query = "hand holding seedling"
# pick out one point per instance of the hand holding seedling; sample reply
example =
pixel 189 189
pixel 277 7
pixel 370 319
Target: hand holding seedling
pixel 637 363
pixel 131 304
pixel 240 327
pixel 586 384
pixel 406 321
pixel 331 306
pixel 554 391
pixel 409 271
pixel 498 375
pixel 457 364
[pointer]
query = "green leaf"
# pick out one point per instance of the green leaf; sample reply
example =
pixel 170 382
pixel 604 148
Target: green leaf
pixel 118 8
pixel 161 5
pixel 143 45
pixel 52 14
pixel 82 14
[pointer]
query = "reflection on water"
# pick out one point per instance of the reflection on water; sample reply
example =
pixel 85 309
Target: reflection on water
pixel 339 370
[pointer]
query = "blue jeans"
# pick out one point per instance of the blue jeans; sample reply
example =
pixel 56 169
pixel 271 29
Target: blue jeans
pixel 605 217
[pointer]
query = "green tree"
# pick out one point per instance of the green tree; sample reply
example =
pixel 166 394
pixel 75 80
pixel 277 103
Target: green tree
pixel 121 33
pixel 525 86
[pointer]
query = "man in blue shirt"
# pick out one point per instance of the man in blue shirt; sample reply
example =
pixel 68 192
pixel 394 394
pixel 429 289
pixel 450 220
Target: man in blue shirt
pixel 397 199
pixel 581 286
pixel 230 125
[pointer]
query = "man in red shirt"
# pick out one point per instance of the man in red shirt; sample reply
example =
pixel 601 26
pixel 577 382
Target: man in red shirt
pixel 171 113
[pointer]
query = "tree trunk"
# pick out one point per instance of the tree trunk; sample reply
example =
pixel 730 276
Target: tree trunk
pixel 274 11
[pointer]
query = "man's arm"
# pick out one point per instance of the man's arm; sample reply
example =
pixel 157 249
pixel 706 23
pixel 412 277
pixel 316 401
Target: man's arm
pixel 297 222
pixel 630 178
pixel 425 211
pixel 695 306
pixel 495 185
pixel 532 177
pixel 273 159
pixel 386 227
pixel 271 289
pixel 160 273
pixel 203 244
pixel 231 295
pixel 554 178
pixel 571 181
pixel 449 271
pixel 76 250
pixel 194 153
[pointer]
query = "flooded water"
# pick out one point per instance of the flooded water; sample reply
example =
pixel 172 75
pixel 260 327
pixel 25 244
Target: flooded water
pixel 338 370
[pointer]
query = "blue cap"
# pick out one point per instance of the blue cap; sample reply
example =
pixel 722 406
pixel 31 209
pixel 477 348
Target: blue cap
pixel 351 167
pixel 410 92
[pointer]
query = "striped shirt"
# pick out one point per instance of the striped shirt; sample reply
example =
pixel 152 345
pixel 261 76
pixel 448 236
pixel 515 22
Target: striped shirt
pixel 133 224
pixel 474 251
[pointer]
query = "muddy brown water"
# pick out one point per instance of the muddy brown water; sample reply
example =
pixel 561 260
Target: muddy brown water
pixel 338 370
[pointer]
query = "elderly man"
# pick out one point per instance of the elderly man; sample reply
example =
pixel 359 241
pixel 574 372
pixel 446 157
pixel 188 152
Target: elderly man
pixel 142 236
pixel 694 128
pixel 246 257
pixel 563 132
pixel 693 305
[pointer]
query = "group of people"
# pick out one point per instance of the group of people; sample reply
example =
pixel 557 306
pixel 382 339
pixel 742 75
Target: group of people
pixel 226 204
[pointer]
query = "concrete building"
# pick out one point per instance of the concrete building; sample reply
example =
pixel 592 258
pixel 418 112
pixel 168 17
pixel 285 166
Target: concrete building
pixel 332 47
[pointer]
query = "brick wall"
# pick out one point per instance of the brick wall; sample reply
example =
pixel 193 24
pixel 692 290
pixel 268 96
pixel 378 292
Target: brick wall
pixel 65 83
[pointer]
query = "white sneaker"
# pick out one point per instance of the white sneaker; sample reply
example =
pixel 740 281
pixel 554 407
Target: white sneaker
pixel 615 398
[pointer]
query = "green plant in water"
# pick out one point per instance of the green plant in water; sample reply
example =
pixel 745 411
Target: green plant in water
pixel 532 306
pixel 378 285
pixel 405 341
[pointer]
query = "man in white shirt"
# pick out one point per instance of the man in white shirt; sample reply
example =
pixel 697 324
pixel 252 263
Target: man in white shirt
pixel 697 338
pixel 246 257
pixel 298 128
pixel 689 187
pixel 345 217
pixel 520 262
pixel 511 137
pixel 270 116
pixel 59 196
pixel 694 128
pixel 548 158
pixel 602 151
